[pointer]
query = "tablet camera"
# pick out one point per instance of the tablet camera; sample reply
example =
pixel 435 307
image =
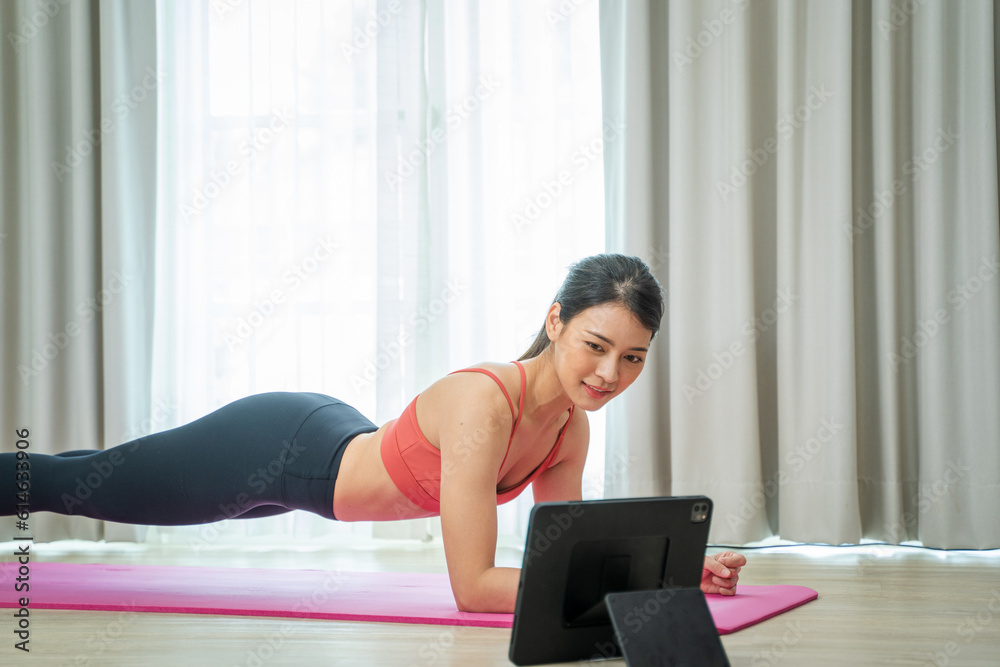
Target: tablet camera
pixel 699 513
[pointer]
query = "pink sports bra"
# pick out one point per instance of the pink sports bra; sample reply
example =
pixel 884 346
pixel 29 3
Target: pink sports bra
pixel 414 464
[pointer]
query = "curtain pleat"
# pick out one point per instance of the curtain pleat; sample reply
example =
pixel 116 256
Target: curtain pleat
pixel 630 172
pixel 131 77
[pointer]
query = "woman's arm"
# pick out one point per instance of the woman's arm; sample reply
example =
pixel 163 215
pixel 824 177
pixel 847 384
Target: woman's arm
pixel 473 442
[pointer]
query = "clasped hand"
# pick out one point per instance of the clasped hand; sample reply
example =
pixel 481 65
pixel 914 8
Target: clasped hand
pixel 721 573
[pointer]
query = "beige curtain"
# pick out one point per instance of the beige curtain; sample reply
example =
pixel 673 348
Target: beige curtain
pixel 78 90
pixel 815 184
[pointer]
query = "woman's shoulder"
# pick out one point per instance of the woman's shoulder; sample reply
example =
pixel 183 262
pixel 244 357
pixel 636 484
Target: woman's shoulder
pixel 482 383
pixel 471 397
pixel 487 373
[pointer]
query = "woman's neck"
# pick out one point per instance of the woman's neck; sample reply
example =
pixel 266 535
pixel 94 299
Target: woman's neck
pixel 544 399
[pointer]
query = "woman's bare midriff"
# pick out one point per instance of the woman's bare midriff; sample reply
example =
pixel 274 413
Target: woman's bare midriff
pixel 364 491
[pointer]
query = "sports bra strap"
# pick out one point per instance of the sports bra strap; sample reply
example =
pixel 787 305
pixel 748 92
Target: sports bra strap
pixel 520 401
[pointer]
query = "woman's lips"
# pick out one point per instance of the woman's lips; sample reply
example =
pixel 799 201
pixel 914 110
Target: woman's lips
pixel 595 392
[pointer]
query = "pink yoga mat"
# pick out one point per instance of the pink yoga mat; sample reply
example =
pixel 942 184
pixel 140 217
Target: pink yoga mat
pixel 325 594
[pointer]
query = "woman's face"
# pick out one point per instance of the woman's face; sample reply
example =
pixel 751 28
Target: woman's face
pixel 599 353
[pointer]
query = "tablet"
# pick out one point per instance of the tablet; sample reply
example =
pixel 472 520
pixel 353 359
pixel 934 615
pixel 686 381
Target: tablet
pixel 578 552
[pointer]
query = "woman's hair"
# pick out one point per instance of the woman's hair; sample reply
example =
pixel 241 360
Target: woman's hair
pixel 607 278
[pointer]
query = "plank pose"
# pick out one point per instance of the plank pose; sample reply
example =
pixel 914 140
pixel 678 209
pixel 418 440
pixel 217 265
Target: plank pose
pixel 469 442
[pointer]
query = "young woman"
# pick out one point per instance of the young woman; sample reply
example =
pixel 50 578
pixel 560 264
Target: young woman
pixel 469 442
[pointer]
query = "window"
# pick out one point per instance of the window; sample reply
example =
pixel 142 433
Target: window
pixel 359 197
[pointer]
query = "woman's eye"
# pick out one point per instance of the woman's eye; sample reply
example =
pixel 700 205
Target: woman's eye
pixel 634 359
pixel 593 346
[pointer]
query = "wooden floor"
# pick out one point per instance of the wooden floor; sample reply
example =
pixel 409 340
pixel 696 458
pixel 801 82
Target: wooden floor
pixel 876 606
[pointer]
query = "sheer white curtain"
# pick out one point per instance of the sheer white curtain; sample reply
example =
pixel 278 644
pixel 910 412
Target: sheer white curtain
pixel 357 198
pixel 823 177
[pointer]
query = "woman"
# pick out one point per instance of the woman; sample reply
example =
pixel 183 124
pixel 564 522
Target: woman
pixel 470 441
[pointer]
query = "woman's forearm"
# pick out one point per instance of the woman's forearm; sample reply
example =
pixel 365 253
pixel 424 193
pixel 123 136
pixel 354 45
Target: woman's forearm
pixel 495 591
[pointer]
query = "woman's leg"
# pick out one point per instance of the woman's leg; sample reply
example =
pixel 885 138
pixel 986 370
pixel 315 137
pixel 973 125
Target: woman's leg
pixel 221 466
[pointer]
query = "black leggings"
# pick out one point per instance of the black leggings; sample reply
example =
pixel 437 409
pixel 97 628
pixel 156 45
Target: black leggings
pixel 259 456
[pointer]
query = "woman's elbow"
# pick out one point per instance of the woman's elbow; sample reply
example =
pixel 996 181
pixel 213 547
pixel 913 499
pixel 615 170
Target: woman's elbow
pixel 469 596
pixel 464 602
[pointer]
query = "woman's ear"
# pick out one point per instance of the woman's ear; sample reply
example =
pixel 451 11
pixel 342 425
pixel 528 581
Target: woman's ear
pixel 553 325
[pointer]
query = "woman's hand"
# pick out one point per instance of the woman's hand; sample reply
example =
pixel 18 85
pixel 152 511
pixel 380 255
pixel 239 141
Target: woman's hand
pixel 721 573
